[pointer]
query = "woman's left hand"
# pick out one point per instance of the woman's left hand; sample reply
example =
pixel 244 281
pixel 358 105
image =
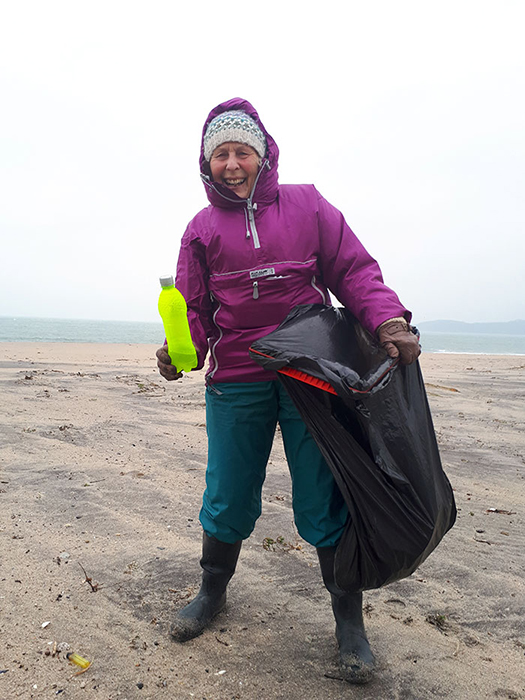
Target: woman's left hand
pixel 399 341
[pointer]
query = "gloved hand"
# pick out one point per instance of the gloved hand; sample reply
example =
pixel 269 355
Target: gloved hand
pixel 167 370
pixel 399 341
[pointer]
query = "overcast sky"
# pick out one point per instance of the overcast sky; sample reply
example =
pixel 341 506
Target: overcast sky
pixel 408 116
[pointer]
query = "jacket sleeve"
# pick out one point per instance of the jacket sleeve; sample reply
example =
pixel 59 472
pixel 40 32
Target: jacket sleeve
pixel 352 274
pixel 192 282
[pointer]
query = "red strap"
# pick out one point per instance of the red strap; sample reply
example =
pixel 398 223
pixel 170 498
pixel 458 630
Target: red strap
pixel 307 379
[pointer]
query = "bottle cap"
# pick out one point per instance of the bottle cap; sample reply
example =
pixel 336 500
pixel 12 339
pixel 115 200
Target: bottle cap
pixel 166 281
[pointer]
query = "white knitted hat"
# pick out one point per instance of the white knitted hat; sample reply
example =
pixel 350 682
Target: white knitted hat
pixel 233 126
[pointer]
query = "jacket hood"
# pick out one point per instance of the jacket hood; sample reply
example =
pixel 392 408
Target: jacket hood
pixel 268 182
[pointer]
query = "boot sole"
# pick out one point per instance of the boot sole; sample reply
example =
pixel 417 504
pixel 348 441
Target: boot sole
pixel 355 671
pixel 185 628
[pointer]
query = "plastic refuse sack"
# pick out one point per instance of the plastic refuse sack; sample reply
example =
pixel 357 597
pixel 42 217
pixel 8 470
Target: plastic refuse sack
pixel 371 420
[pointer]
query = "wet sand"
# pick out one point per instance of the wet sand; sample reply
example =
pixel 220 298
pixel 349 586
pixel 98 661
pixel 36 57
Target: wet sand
pixel 101 472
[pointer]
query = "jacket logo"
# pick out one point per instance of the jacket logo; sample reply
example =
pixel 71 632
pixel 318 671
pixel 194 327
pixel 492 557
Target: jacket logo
pixel 255 274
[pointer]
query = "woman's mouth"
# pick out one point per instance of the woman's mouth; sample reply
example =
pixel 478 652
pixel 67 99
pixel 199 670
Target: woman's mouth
pixel 234 182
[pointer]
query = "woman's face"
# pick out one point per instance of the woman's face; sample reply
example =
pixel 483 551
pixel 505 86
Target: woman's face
pixel 235 165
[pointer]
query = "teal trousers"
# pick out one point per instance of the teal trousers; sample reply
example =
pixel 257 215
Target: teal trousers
pixel 241 420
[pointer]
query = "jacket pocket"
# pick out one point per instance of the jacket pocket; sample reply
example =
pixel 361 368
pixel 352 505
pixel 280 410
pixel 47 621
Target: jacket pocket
pixel 263 297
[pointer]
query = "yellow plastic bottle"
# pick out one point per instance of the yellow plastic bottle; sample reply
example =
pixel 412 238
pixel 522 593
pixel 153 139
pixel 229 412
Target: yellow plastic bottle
pixel 78 660
pixel 174 314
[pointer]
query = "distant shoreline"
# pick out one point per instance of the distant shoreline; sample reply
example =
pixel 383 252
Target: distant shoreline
pixel 62 351
pixel 35 330
pixel 511 328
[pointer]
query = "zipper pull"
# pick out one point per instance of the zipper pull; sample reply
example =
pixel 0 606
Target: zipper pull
pixel 247 233
pixel 256 290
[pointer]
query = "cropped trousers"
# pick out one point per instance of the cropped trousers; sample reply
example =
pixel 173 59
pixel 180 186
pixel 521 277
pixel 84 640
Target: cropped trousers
pixel 241 420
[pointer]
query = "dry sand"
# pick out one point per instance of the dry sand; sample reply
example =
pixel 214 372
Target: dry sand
pixel 102 466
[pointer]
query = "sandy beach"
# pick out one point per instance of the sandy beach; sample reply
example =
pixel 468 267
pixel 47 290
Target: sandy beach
pixel 102 468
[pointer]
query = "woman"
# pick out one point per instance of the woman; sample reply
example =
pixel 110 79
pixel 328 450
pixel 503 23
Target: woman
pixel 245 261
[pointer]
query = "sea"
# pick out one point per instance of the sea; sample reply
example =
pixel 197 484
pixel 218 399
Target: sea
pixel 59 330
pixel 62 330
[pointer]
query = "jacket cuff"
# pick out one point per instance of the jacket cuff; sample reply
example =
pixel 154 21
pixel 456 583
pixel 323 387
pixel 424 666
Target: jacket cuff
pixel 396 319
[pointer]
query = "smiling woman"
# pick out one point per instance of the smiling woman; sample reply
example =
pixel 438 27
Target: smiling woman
pixel 235 165
pixel 245 262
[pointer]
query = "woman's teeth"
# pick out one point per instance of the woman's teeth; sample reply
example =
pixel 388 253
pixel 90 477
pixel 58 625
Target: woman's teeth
pixel 234 183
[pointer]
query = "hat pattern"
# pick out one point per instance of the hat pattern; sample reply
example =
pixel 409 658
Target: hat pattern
pixel 234 126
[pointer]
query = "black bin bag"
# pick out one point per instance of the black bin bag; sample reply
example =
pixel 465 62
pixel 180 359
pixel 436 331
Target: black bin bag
pixel 371 421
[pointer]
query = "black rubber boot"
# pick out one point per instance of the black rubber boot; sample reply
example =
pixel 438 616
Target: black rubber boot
pixel 218 563
pixel 355 656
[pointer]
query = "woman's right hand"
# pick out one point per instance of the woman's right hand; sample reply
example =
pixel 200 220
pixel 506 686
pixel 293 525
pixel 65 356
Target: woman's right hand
pixel 167 370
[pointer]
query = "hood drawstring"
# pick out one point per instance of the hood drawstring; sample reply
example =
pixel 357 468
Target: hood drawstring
pixel 264 164
pixel 209 183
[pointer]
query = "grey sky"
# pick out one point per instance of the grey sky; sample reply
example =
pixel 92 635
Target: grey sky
pixel 408 116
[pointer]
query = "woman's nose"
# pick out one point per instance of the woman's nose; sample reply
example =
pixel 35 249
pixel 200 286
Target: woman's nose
pixel 232 163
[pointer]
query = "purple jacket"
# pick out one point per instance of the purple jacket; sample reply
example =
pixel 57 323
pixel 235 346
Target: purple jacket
pixel 245 263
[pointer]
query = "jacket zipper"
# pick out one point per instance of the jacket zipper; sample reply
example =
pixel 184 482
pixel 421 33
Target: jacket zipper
pixel 214 346
pixel 251 218
pixel 250 206
pixel 313 283
pixel 270 264
pixel 256 294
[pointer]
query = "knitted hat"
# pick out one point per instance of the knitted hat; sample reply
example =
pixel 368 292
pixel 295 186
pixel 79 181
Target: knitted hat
pixel 233 126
